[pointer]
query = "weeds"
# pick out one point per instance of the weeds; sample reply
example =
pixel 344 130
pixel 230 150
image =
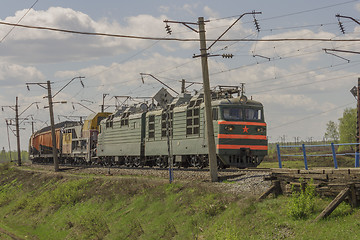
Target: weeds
pixel 301 204
pixel 89 224
pixel 43 206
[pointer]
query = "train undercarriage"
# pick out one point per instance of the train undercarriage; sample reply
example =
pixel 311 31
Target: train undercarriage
pixel 183 161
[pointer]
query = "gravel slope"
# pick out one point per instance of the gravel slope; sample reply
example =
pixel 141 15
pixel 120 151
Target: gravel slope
pixel 247 182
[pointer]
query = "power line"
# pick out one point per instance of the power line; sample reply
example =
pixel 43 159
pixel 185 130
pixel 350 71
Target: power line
pixel 303 72
pixel 178 39
pixel 308 117
pixel 18 21
pixel 305 84
pixel 310 10
pixel 294 13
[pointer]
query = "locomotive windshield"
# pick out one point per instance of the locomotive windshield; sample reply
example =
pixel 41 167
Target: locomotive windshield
pixel 239 114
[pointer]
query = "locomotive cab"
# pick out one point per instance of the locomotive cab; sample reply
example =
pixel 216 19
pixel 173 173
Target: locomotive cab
pixel 241 139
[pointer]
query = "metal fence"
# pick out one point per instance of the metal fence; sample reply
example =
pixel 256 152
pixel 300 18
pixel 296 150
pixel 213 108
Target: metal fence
pixel 305 156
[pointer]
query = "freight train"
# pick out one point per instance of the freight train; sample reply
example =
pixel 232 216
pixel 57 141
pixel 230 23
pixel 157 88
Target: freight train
pixel 146 135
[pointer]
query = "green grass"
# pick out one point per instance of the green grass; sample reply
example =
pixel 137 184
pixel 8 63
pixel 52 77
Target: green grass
pixel 58 206
pixel 298 164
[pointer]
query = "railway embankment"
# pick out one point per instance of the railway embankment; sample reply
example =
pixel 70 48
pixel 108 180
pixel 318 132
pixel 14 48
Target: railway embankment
pixel 93 203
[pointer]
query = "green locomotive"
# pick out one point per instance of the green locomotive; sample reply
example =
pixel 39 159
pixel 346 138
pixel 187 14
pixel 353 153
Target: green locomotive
pixel 144 136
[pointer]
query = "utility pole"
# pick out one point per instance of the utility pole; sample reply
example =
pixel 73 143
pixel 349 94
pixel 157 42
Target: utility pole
pixel 357 125
pixel 206 83
pixel 7 130
pixel 17 127
pixel 53 136
pixel 103 101
pixel 17 131
pixel 51 110
pixel 183 86
pixel 207 99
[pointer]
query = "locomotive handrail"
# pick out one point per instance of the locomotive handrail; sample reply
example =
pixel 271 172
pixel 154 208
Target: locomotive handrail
pixel 304 155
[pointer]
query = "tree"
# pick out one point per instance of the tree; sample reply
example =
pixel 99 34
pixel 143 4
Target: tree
pixel 3 157
pixel 332 132
pixel 347 126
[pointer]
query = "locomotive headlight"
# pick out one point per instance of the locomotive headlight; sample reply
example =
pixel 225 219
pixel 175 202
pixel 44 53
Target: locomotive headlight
pixel 229 127
pixel 243 99
pixel 260 129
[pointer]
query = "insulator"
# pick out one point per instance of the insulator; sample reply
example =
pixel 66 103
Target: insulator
pixel 227 55
pixel 257 26
pixel 168 29
pixel 342 29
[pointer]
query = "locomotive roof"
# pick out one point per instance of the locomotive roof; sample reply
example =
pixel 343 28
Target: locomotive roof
pixel 236 100
pixel 58 125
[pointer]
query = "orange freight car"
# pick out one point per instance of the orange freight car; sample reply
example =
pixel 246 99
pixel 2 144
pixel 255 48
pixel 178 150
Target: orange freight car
pixel 40 145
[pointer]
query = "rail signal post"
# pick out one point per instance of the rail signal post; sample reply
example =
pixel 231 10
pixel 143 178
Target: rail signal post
pixel 207 99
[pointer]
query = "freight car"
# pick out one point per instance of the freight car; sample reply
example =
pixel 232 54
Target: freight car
pixel 75 141
pixel 143 135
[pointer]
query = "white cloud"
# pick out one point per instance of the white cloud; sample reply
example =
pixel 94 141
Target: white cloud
pixel 32 46
pixel 13 74
pixel 357 7
pixel 164 9
pixel 290 101
pixel 124 78
pixel 189 8
pixel 210 13
pixel 306 50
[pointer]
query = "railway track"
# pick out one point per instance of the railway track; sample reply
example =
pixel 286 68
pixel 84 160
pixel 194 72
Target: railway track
pixel 189 169
pixel 247 182
pixel 192 173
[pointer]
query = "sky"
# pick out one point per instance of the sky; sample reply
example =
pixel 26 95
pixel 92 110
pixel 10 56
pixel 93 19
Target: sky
pixel 301 86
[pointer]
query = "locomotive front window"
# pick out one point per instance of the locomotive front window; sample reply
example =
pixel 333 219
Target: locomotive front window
pixel 252 114
pixel 240 114
pixel 233 114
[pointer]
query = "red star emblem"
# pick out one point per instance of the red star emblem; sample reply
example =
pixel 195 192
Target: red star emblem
pixel 246 129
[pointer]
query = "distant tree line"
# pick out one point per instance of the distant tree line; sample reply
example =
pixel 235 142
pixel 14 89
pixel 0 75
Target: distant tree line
pixel 345 130
pixel 7 156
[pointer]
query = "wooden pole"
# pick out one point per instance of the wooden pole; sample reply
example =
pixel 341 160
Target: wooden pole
pixel 357 125
pixel 53 136
pixel 207 99
pixel 17 131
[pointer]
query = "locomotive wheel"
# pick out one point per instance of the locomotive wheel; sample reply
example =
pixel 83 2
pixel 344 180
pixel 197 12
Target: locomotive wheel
pixel 136 162
pixel 161 162
pixel 127 162
pixel 196 162
pixel 158 162
pixel 193 161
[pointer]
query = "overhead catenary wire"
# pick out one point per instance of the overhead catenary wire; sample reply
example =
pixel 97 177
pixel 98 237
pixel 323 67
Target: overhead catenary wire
pixel 311 116
pixel 294 13
pixel 178 39
pixel 7 34
pixel 209 39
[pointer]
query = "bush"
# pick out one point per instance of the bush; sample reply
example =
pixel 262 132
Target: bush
pixel 302 203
